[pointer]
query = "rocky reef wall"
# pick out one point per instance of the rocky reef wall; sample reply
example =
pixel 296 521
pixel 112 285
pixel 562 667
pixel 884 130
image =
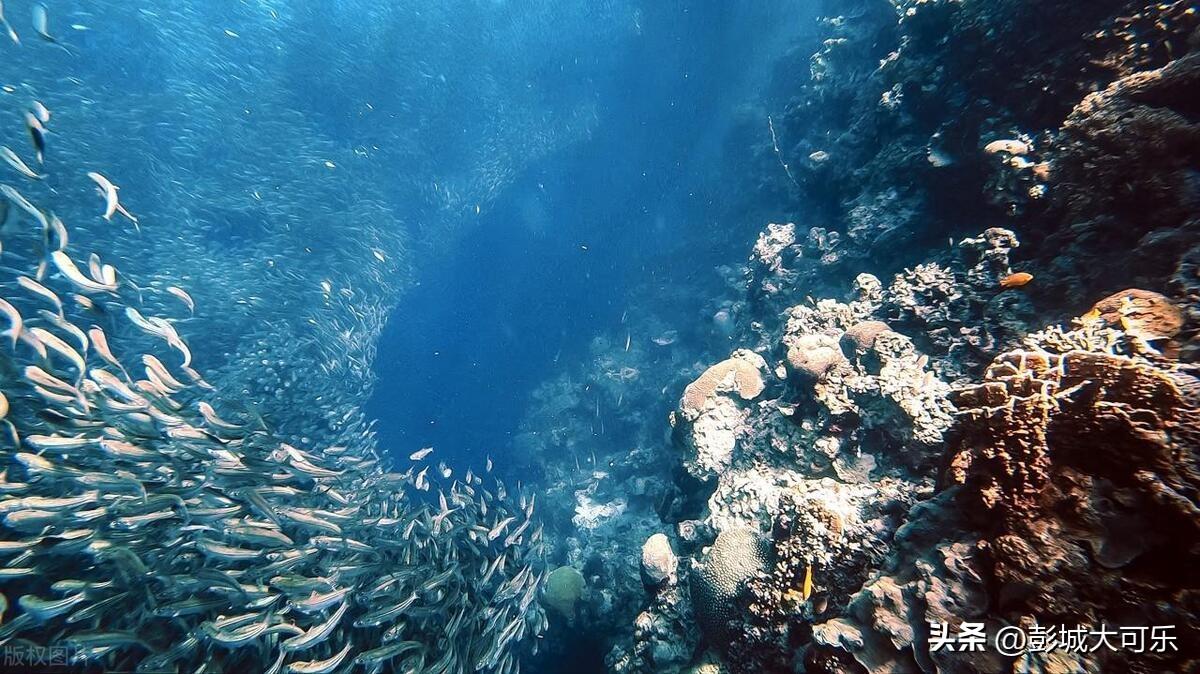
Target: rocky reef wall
pixel 954 384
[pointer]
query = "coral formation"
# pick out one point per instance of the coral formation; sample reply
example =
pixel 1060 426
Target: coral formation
pixel 924 444
pixel 659 562
pixel 1066 501
pixel 562 590
pixel 713 417
pixel 741 373
pixel 717 584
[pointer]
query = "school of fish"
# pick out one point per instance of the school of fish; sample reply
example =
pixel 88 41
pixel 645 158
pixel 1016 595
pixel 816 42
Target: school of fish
pixel 154 517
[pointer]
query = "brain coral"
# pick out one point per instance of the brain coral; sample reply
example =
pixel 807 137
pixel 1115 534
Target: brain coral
pixel 562 590
pixel 740 373
pixel 737 556
pixel 814 355
pixel 860 337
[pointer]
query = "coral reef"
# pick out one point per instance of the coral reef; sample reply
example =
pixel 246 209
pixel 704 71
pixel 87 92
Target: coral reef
pixel 914 447
pixel 869 500
pixel 1068 500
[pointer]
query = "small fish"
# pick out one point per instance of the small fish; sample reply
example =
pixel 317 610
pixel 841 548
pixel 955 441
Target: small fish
pixel 420 454
pixel 23 204
pixel 41 291
pixel 323 666
pixel 12 34
pixel 387 613
pixel 105 639
pixel 41 112
pixel 317 633
pixel 45 609
pixel 238 636
pixel 41 24
pixel 377 656
pixel 225 552
pixel 109 191
pixel 37 135
pixel 495 531
pixel 258 535
pixel 66 266
pixel 15 323
pixel 1016 280
pixel 56 344
pixel 318 602
pixel 183 297
pixel 806 591
pixel 667 338
pixel 100 344
pixel 17 163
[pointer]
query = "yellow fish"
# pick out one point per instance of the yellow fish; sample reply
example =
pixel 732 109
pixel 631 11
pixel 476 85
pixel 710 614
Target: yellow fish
pixel 806 592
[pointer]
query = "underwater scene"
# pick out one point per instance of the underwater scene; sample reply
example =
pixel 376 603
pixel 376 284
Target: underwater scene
pixel 600 336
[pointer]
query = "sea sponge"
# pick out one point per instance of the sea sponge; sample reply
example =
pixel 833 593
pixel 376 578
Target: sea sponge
pixel 814 355
pixel 562 590
pixel 738 555
pixel 740 373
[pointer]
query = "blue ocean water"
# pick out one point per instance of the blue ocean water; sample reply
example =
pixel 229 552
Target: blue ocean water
pixel 637 201
pixel 372 228
pixel 673 336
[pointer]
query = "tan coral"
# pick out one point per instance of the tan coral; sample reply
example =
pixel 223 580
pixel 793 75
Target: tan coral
pixel 814 355
pixel 741 373
pixel 1142 313
pixel 860 337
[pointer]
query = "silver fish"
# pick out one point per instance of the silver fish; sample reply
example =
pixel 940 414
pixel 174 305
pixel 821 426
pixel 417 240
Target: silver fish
pixel 18 164
pixel 320 666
